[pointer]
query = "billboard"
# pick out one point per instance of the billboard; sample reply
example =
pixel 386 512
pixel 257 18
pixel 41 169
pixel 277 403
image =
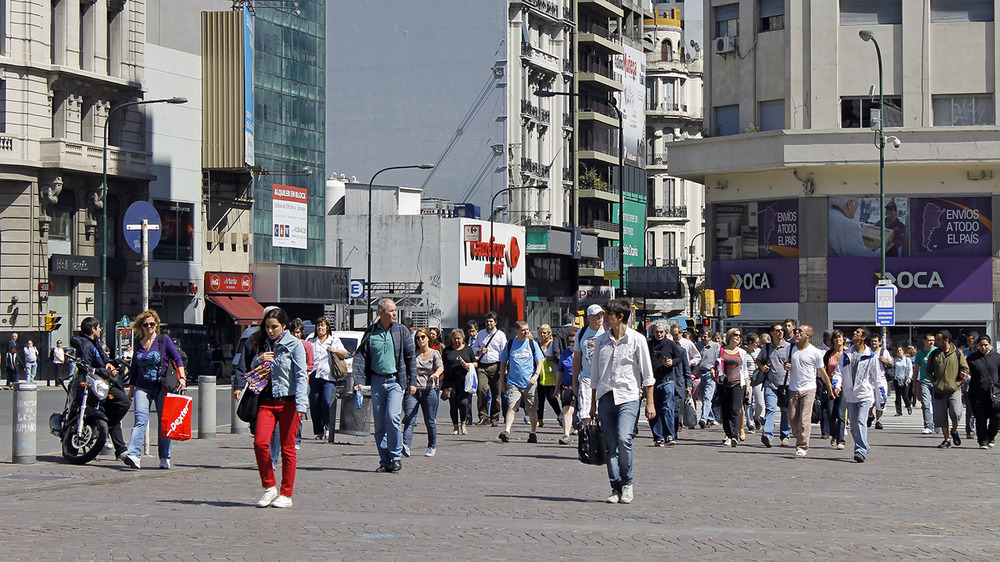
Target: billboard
pixel 758 280
pixel 630 71
pixel 757 229
pixel 917 227
pixel 473 258
pixel 289 217
pixel 965 279
pixel 248 110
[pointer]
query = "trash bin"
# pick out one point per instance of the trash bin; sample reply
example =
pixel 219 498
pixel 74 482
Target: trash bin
pixel 355 421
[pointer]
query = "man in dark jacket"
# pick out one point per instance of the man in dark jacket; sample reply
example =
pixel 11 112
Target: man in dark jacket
pixel 670 370
pixel 947 368
pixel 385 359
pixel 88 347
pixel 984 374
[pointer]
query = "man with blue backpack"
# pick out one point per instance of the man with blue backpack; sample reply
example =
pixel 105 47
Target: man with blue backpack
pixel 520 367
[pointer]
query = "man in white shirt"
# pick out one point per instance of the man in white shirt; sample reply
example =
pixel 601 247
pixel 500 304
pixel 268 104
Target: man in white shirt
pixel 58 360
pixel 488 345
pixel 805 364
pixel 583 352
pixel 621 373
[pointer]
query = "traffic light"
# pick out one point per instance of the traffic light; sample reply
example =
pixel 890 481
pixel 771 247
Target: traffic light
pixel 708 302
pixel 732 302
pixel 52 323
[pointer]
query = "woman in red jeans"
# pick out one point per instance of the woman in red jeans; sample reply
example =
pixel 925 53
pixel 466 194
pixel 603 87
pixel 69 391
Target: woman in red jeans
pixel 283 400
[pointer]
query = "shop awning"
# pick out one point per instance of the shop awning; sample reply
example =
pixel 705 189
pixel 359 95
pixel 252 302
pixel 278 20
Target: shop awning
pixel 245 310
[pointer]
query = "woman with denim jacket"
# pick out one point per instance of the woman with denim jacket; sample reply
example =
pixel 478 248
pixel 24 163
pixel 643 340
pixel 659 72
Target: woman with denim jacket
pixel 283 402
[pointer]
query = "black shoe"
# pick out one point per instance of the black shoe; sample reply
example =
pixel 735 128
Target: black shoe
pixel 532 438
pixel 858 457
pixel 504 437
pixel 909 411
pixel 701 424
pixel 870 420
pixel 396 466
pixel 945 444
pixel 670 441
pixel 766 441
pixel 383 469
pixel 878 425
pixel 956 438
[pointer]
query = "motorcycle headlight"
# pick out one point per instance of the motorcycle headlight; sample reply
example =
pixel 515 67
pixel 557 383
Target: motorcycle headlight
pixel 99 387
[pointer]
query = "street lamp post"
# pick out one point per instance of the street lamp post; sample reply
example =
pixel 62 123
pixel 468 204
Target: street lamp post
pixel 692 279
pixel 104 200
pixel 621 171
pixel 867 35
pixel 368 280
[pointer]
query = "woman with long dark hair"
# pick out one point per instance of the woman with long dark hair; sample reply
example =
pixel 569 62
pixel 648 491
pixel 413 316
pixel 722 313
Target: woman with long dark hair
pixel 282 404
pixel 321 383
pixel 835 407
pixel 458 357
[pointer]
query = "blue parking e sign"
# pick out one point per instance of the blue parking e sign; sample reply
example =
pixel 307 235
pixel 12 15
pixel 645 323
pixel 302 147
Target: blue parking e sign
pixel 357 289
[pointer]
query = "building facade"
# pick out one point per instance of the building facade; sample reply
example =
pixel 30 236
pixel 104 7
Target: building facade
pixel 792 174
pixel 66 68
pixel 675 211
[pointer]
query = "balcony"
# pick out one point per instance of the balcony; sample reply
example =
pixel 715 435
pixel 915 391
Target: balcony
pixel 656 159
pixel 598 150
pixel 567 174
pixel 568 66
pixel 534 113
pixel 544 7
pixel 88 157
pixel 567 121
pixel 609 8
pixel 669 212
pixel 593 34
pixel 598 72
pixel 530 167
pixel 540 59
pixel 567 14
pixel 594 110
pixel 603 229
pixel 606 195
pixel 661 262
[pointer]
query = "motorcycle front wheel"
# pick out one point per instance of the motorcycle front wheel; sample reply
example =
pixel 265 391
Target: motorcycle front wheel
pixel 82 448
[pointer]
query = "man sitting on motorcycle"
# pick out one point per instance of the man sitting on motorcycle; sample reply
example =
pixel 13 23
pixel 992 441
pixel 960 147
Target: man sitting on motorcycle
pixel 88 346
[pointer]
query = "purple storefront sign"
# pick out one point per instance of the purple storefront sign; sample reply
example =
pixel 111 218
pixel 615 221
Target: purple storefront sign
pixel 918 279
pixel 758 280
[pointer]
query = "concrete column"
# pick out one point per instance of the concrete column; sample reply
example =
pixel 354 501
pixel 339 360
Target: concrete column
pixel 25 420
pixel 236 425
pixel 206 407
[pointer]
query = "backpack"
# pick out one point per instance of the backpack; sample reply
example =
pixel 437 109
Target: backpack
pixel 510 344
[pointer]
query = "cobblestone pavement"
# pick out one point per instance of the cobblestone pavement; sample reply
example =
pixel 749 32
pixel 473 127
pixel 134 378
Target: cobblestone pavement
pixel 479 498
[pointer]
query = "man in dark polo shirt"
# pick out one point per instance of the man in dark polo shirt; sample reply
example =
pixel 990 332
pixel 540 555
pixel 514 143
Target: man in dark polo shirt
pixel 385 360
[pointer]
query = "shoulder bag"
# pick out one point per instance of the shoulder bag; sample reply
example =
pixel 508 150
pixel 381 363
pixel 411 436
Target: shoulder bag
pixel 338 367
pixel 169 379
pixel 782 390
pixel 591 448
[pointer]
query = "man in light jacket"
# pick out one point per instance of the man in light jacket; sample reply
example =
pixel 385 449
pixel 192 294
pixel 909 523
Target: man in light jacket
pixel 859 377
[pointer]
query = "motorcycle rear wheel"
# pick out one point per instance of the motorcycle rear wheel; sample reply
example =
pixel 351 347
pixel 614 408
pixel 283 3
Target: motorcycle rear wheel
pixel 85 447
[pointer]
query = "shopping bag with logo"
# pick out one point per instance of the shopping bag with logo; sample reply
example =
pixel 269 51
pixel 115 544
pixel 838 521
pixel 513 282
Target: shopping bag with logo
pixel 175 420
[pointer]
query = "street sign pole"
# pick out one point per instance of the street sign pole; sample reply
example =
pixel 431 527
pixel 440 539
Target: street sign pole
pixel 885 304
pixel 145 227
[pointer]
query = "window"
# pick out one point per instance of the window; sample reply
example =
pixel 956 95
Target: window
pixel 956 111
pixel 871 12
pixel 670 192
pixel 856 112
pixel 669 245
pixel 177 231
pixel 3 106
pixel 772 15
pixel 667 51
pixel 727 20
pixel 772 115
pixel 727 120
pixel 953 11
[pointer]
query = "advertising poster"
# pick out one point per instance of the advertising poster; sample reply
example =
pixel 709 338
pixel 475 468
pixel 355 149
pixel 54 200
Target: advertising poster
pixel 289 211
pixel 630 71
pixel 757 230
pixel 248 109
pixel 855 227
pixel 956 226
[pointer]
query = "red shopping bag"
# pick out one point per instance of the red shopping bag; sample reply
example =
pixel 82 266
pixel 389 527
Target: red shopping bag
pixel 175 420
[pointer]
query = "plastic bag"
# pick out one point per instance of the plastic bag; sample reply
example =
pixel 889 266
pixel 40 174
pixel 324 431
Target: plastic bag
pixel 175 421
pixel 471 380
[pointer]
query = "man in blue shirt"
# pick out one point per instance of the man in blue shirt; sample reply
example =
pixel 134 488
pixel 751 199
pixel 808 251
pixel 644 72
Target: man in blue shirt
pixel 521 362
pixel 385 360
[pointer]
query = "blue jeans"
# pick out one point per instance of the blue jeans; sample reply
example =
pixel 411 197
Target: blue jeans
pixel 834 410
pixel 770 408
pixel 142 400
pixel 617 423
pixel 387 411
pixel 428 401
pixel 663 425
pixel 857 413
pixel 30 369
pixel 320 399
pixel 706 393
pixel 926 404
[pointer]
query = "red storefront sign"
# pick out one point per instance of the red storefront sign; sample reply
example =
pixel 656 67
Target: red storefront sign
pixel 221 283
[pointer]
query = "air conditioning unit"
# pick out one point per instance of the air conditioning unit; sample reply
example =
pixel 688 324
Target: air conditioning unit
pixel 725 45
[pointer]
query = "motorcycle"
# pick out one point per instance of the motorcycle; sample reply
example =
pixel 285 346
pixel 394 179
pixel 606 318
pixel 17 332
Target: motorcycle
pixel 82 427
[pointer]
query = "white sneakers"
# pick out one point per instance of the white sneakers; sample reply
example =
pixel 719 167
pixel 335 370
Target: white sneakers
pixel 800 452
pixel 165 464
pixel 430 452
pixel 406 450
pixel 282 501
pixel 627 494
pixel 926 431
pixel 131 461
pixel 270 494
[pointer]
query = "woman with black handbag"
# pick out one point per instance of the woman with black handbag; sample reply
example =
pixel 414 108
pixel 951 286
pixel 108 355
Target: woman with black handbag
pixel 156 369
